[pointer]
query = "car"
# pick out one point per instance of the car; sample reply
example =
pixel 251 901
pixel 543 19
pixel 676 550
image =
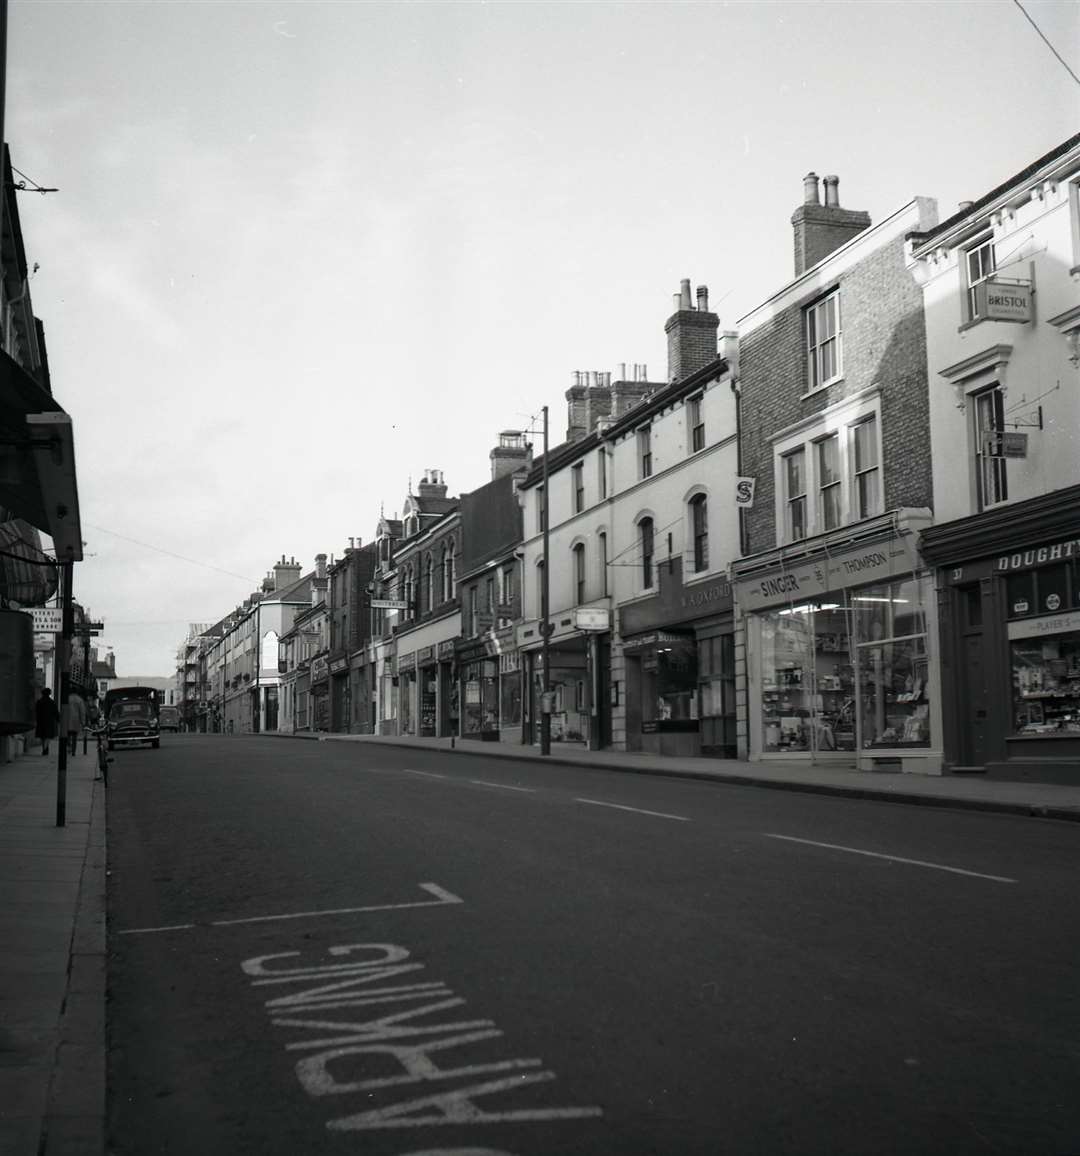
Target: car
pixel 169 718
pixel 131 716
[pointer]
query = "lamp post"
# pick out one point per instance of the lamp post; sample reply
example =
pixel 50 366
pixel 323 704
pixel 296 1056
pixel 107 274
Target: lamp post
pixel 545 603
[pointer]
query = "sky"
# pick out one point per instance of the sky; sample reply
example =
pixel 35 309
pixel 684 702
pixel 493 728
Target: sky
pixel 301 253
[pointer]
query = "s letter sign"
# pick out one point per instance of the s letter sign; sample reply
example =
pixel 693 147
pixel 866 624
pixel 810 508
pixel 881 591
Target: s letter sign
pixel 744 492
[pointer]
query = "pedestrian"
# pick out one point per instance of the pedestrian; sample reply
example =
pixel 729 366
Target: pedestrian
pixel 72 719
pixel 47 717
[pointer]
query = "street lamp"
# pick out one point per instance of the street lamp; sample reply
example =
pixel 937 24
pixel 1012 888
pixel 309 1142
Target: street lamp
pixel 545 603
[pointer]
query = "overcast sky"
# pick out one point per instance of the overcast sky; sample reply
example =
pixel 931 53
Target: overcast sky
pixel 301 252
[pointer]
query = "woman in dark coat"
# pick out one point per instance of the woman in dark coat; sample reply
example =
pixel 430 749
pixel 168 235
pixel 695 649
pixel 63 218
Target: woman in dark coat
pixel 48 718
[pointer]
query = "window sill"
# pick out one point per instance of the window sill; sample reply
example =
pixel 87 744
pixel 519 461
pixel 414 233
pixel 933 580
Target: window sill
pixel 820 389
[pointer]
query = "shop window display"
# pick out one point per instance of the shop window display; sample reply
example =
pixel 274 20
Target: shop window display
pixel 669 676
pixel 1046 684
pixel 481 686
pixel 855 659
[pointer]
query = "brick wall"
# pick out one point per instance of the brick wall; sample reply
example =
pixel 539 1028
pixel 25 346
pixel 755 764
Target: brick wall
pixel 691 338
pixel 884 343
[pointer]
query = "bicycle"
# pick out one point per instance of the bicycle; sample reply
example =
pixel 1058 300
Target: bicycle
pixel 102 754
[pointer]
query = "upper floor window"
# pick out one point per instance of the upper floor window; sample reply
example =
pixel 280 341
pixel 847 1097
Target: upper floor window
pixel 430 583
pixel 489 597
pixel 695 421
pixel 699 528
pixel 645 530
pixel 978 266
pixel 541 588
pixel 830 495
pixel 602 472
pixel 867 496
pixel 444 575
pixel 601 539
pixel 644 441
pixel 579 573
pixel 506 579
pixel 824 363
pixel 795 494
pixel 474 611
pixel 993 483
pixel 579 487
pixel 541 509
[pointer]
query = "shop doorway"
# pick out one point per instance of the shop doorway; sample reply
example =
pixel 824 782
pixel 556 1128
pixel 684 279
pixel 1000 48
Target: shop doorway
pixel 974 745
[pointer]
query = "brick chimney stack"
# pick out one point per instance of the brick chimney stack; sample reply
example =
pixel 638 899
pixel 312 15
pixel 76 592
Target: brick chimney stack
pixel 512 452
pixel 431 485
pixel 286 573
pixel 691 332
pixel 822 228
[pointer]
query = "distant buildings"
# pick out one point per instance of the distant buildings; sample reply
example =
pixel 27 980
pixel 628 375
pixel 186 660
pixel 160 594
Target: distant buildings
pixel 847 532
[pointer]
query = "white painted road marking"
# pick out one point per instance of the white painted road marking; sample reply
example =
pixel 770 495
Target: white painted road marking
pixel 395 1050
pixel 891 858
pixel 504 786
pixel 426 774
pixel 442 898
pixel 636 810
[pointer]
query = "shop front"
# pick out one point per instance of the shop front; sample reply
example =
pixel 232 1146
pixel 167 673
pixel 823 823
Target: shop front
pixel 1009 597
pixel 579 651
pixel 427 684
pixel 478 674
pixel 407 705
pixel 510 696
pixel 320 694
pixel 448 710
pixel 340 694
pixel 839 658
pixel 678 668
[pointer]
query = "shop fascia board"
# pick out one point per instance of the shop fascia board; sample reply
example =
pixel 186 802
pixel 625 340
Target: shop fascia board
pixel 908 520
pixel 1006 528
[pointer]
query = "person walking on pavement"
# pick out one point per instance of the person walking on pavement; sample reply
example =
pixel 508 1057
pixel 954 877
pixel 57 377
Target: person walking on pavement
pixel 46 719
pixel 73 720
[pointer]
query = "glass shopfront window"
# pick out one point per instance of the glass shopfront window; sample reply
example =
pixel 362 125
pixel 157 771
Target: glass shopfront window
pixel 481 697
pixel 669 676
pixel 1046 684
pixel 407 698
pixel 716 691
pixel 890 626
pixel 511 699
pixel 429 686
pixel 847 671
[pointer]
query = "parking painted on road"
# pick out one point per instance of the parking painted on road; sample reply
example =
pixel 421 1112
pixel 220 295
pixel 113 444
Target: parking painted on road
pixel 360 1057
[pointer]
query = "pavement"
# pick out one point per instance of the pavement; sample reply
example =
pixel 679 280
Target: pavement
pixel 52 966
pixel 52 906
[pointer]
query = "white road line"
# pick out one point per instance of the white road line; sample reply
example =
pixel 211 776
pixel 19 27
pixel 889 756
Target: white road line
pixel 442 899
pixel 636 810
pixel 504 786
pixel 148 930
pixel 892 858
pixel 426 774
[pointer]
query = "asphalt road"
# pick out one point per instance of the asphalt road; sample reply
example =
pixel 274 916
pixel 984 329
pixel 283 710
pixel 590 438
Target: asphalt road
pixel 326 947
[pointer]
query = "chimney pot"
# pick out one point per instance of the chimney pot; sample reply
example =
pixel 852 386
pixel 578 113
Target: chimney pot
pixel 832 192
pixel 810 189
pixel 703 298
pixel 965 206
pixel 684 294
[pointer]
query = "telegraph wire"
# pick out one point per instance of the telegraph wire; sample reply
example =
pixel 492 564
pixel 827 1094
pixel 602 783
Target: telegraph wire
pixel 172 554
pixel 1047 42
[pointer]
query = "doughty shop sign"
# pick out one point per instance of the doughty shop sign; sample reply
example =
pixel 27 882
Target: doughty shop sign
pixel 807 579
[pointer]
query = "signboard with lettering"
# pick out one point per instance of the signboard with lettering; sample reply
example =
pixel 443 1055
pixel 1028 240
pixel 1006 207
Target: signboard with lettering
pixel 389 604
pixel 47 619
pixel 406 661
pixel 806 579
pixel 592 618
pixel 320 669
pixel 1043 627
pixel 446 648
pixel 1039 556
pixel 744 492
pixel 1003 300
pixel 1006 445
pixel 425 654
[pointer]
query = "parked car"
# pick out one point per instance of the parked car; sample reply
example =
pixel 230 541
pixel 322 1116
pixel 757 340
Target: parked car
pixel 131 716
pixel 169 718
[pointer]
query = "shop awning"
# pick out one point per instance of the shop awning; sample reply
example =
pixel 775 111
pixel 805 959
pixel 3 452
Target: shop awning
pixel 37 460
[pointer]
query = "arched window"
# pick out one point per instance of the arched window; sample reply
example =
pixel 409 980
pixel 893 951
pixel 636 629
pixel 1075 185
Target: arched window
pixel 444 574
pixel 540 600
pixel 430 583
pixel 451 570
pixel 645 530
pixel 579 573
pixel 602 542
pixel 699 530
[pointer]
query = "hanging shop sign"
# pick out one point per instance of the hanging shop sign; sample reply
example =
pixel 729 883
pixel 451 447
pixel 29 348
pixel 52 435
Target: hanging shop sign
pixel 389 604
pixel 1003 300
pixel 1006 445
pixel 806 579
pixel 320 669
pixel 47 619
pixel 744 492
